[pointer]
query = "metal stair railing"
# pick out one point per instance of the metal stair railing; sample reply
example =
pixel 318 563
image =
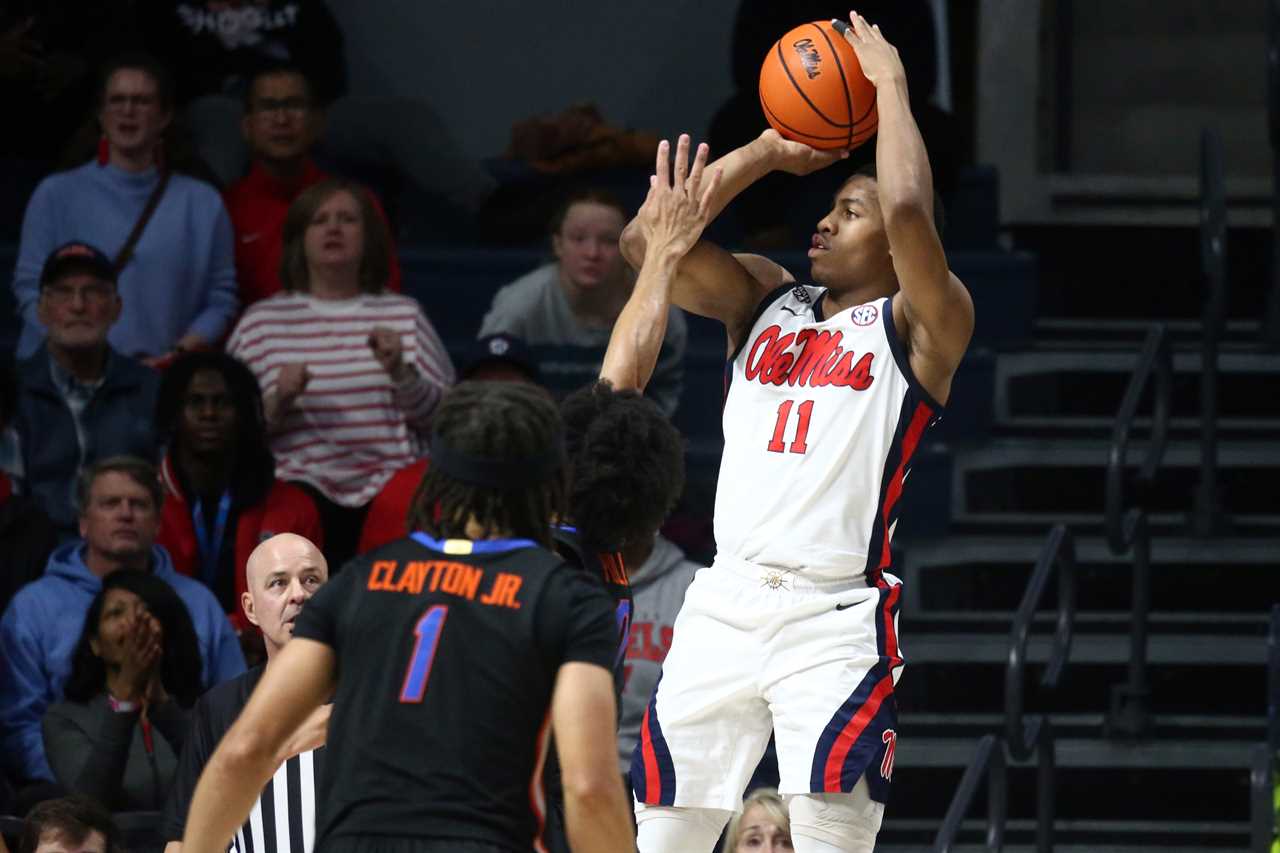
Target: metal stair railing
pixel 1024 735
pixel 1262 779
pixel 1128 530
pixel 1207 519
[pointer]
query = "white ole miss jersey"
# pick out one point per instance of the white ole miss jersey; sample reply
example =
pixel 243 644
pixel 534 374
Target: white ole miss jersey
pixel 822 416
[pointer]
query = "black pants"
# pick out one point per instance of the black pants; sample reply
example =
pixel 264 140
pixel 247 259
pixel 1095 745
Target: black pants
pixel 342 526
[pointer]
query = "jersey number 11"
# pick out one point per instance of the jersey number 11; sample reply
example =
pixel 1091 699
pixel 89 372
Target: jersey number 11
pixel 798 445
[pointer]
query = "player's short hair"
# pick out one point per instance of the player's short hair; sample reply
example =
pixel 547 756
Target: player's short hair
pixel 868 170
pixel 140 471
pixel 147 64
pixel 627 463
pixel 773 805
pixel 493 422
pixel 375 266
pixel 72 818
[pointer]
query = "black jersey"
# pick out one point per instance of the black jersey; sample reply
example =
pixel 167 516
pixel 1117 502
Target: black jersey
pixel 447 653
pixel 283 818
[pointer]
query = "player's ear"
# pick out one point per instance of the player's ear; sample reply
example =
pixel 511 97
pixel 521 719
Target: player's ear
pixel 246 603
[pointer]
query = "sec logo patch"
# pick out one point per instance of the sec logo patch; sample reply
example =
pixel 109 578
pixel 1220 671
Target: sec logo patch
pixel 865 315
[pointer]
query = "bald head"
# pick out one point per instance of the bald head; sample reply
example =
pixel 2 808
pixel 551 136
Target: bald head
pixel 281 574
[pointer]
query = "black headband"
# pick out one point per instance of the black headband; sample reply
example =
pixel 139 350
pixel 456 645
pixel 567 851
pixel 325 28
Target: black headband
pixel 496 473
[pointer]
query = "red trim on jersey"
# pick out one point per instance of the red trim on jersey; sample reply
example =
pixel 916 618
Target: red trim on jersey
pixel 919 422
pixel 537 795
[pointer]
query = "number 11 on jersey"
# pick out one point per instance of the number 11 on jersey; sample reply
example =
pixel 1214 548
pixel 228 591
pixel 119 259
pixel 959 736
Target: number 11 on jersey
pixel 799 444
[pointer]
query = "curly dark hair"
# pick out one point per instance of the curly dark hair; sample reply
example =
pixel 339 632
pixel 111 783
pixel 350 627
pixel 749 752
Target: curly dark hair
pixel 180 669
pixel 253 470
pixel 493 420
pixel 627 462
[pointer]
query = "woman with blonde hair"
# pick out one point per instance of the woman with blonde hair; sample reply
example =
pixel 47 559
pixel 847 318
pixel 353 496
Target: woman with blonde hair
pixel 762 826
pixel 350 373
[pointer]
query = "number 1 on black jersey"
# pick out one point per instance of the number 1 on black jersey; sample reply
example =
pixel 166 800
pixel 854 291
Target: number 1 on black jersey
pixel 427 632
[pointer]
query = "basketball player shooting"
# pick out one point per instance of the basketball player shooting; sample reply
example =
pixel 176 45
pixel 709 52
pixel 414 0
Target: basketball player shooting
pixel 793 629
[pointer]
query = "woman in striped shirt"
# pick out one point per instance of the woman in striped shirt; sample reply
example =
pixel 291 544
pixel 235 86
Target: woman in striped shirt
pixel 350 373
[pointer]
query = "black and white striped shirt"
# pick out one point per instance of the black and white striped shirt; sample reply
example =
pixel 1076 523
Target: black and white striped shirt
pixel 283 820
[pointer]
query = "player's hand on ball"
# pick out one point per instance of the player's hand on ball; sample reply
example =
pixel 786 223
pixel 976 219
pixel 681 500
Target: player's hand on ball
pixel 796 157
pixel 879 59
pixel 678 205
pixel 292 380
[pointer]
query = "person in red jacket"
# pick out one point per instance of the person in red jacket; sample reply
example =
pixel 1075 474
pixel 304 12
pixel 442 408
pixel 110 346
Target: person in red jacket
pixel 221 494
pixel 281 124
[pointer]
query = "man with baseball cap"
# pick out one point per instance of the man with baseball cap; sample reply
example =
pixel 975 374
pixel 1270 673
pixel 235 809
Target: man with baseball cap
pixel 78 399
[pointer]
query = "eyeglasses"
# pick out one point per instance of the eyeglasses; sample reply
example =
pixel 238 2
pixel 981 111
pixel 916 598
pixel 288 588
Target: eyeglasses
pixel 291 107
pixel 61 294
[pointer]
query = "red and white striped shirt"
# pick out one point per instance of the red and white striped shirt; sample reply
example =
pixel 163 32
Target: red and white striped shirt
pixel 352 427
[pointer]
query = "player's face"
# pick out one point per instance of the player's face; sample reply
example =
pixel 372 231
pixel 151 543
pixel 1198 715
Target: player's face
pixel 56 842
pixel 208 418
pixel 281 123
pixel 587 244
pixel 279 590
pixel 120 519
pixel 851 246
pixel 131 116
pixel 335 236
pixel 121 612
pixel 77 310
pixel 759 832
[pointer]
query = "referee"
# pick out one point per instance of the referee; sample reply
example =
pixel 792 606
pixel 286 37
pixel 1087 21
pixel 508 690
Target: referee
pixel 452 652
pixel 282 573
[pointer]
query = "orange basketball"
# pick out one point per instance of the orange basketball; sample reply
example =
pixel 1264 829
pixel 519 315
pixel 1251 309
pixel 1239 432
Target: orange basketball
pixel 812 89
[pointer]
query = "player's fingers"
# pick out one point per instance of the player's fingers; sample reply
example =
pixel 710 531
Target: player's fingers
pixel 860 28
pixel 662 168
pixel 844 29
pixel 682 161
pixel 696 171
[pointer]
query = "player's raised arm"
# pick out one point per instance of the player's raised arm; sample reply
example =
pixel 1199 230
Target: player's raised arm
pixel 709 280
pixel 936 310
pixel 583 715
pixel 671 220
pixel 299 680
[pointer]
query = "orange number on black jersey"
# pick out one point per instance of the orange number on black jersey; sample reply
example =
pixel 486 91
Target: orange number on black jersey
pixel 799 444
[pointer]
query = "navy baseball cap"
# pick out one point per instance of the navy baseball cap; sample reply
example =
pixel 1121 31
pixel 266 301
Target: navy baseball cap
pixel 502 349
pixel 77 257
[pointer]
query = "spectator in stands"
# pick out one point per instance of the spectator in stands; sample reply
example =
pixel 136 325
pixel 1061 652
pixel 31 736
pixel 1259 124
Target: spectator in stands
pixel 119 500
pixel 217 47
pixel 136 670
pixel 281 123
pixel 221 495
pixel 70 825
pixel 565 310
pixel 763 825
pixel 350 374
pixel 168 235
pixel 79 399
pixel 26 535
pixel 284 572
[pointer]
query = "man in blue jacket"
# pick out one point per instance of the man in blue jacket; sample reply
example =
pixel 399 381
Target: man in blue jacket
pixel 119 517
pixel 78 399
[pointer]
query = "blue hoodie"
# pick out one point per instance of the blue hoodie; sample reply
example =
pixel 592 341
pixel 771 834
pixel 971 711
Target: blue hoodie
pixel 38 636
